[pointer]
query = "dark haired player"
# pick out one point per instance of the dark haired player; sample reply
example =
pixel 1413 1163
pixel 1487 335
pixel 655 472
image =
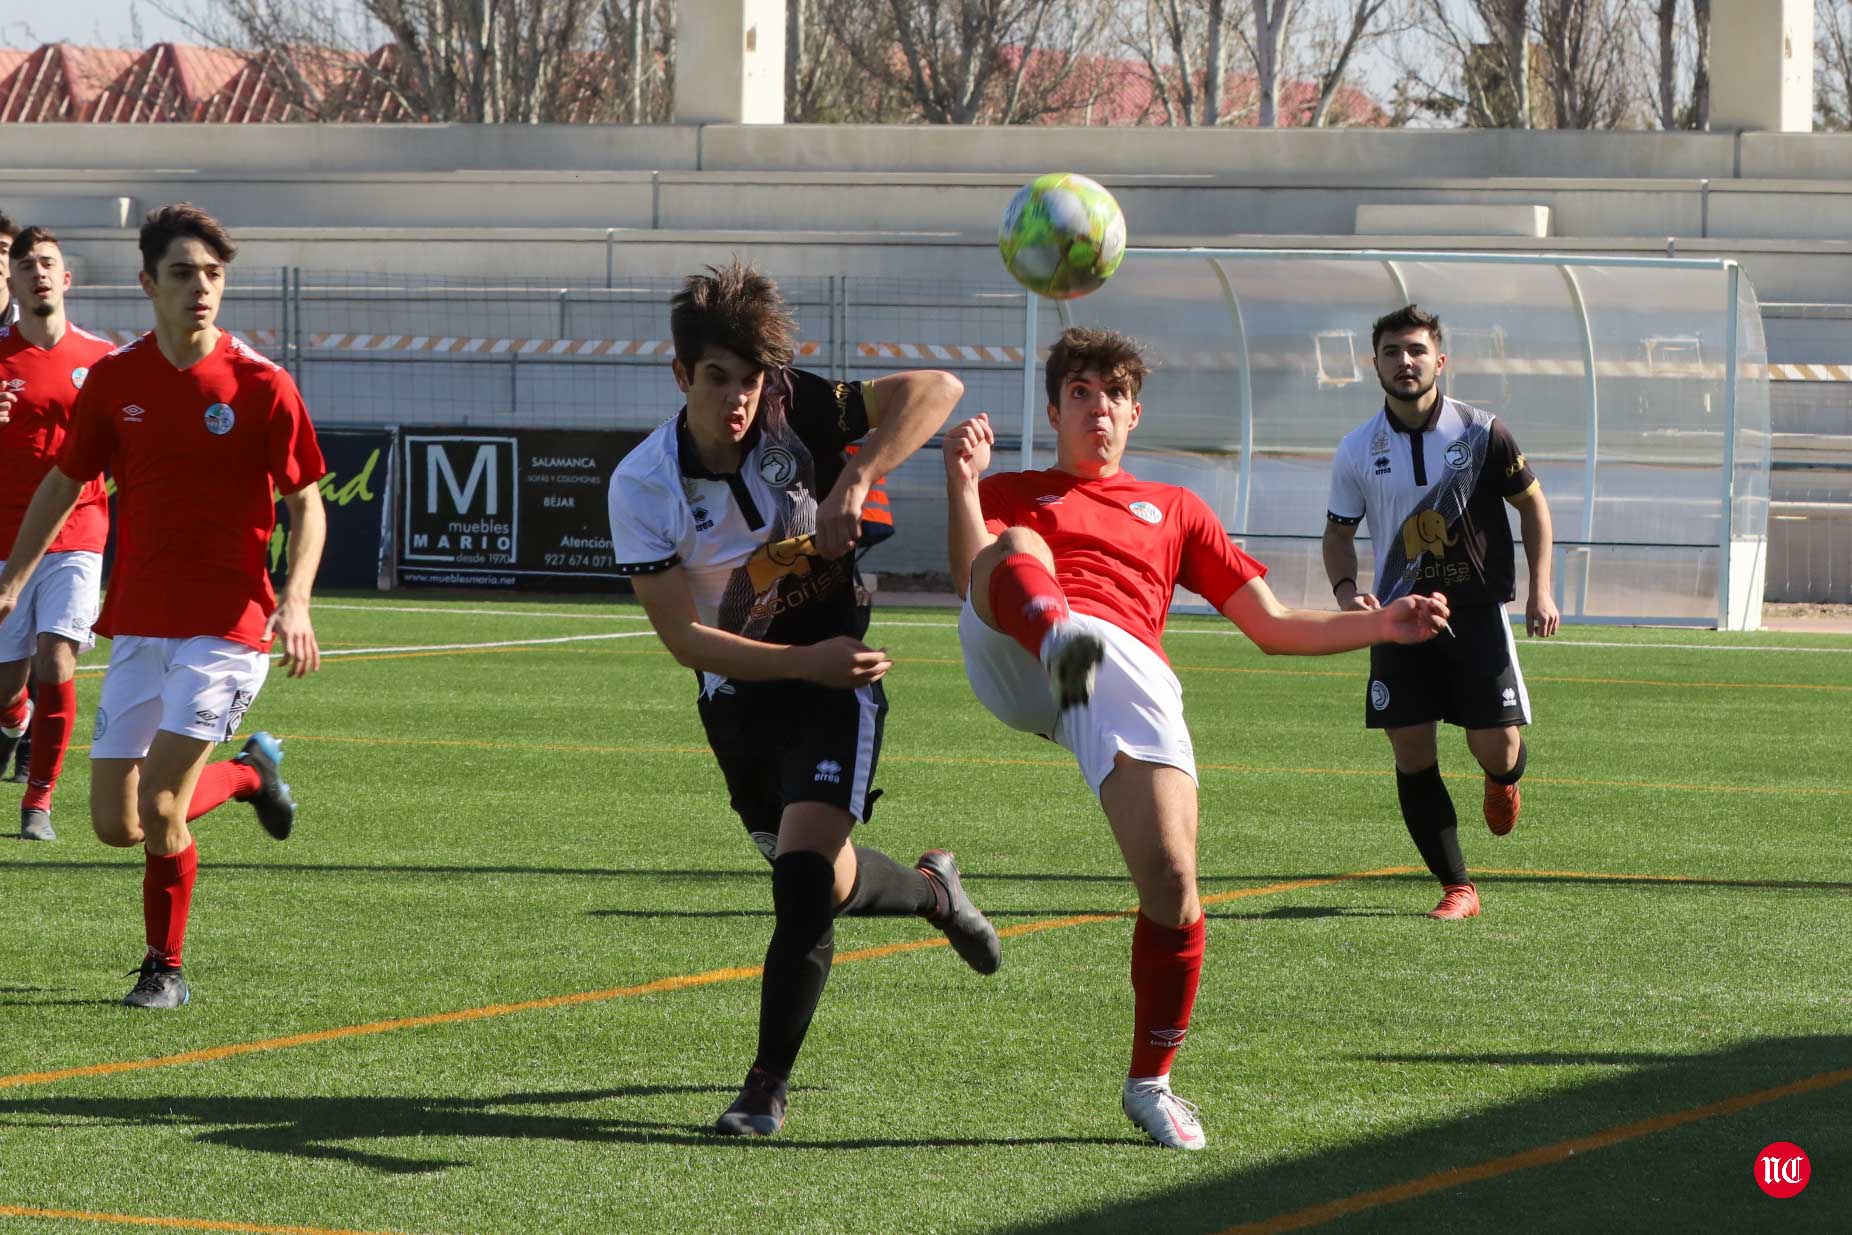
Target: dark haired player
pixel 44 362
pixel 735 520
pixel 198 432
pixel 1067 576
pixel 9 310
pixel 1433 475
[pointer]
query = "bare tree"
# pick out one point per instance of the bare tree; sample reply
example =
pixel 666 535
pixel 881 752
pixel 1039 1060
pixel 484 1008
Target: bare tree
pixel 1665 13
pixel 1832 34
pixel 1184 47
pixel 1701 66
pixel 977 61
pixel 484 61
pixel 1474 64
pixel 1334 42
pixel 1588 61
pixel 1270 19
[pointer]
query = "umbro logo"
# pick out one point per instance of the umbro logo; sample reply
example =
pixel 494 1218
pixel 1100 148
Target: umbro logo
pixel 133 413
pixel 206 717
pixel 13 383
pixel 1048 499
pixel 829 772
pixel 1168 1037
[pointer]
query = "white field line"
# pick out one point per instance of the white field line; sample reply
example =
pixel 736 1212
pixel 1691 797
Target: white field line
pixel 499 643
pixel 1526 645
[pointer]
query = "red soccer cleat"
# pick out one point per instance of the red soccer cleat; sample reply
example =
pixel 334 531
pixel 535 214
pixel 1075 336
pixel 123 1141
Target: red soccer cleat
pixel 1501 806
pixel 1460 901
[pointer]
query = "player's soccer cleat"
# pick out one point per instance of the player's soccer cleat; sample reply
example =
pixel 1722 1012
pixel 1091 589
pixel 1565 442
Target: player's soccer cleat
pixel 1165 1118
pixel 10 739
pixel 35 824
pixel 969 932
pixel 22 760
pixel 276 809
pixel 758 1111
pixel 1072 658
pixel 1501 806
pixel 1458 900
pixel 158 987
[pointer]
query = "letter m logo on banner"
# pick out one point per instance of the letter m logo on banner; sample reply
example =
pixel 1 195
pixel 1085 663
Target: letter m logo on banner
pixel 462 500
pixel 438 467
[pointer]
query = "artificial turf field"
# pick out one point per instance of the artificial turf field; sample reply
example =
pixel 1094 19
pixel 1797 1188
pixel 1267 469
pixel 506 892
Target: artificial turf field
pixel 384 1034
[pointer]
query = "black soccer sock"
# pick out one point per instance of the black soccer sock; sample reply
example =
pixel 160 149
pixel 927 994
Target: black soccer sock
pixel 797 963
pixel 1517 768
pixel 1427 810
pixel 884 888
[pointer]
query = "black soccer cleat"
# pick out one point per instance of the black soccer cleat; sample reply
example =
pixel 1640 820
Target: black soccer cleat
pixel 1073 658
pixel 969 932
pixel 22 760
pixel 159 987
pixel 12 739
pixel 759 1110
pixel 276 809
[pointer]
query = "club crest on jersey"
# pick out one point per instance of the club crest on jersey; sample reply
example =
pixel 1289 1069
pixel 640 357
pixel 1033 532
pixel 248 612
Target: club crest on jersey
pixel 1149 513
pixel 1380 442
pixel 1457 456
pixel 1379 694
pixel 78 375
pixel 777 467
pixel 220 418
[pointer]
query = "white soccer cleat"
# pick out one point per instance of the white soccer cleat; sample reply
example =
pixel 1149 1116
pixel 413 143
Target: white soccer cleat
pixel 1072 657
pixel 1165 1118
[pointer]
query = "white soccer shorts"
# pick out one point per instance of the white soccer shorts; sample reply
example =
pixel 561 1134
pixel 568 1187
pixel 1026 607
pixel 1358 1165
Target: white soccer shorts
pixel 196 687
pixel 1137 704
pixel 60 599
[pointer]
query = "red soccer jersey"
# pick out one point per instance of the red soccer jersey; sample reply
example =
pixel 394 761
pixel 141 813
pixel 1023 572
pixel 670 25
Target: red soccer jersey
pixel 1121 545
pixel 195 453
pixel 47 381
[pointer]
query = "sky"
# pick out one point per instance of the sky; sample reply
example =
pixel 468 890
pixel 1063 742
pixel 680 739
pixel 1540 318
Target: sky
pixel 104 23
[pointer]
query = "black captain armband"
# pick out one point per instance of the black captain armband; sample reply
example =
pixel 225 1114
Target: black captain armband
pixel 1343 520
pixel 627 569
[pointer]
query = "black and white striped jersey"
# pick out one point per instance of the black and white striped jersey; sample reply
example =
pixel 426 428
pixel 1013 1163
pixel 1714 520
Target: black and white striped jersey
pixel 745 538
pixel 1435 500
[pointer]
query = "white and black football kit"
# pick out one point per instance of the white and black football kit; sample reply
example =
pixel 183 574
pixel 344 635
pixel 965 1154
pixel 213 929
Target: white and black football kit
pixel 744 539
pixel 1435 500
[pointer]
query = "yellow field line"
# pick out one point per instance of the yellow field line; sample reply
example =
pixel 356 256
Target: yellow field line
pixel 173 1224
pixel 681 982
pixel 1545 1155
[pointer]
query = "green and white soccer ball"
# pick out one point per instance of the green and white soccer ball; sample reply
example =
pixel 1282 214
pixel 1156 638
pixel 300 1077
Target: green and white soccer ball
pixel 1062 236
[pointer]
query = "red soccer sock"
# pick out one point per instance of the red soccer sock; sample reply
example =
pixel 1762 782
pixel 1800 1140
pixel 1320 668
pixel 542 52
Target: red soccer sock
pixel 13 715
pixel 220 781
pixel 167 899
pixel 1167 963
pixel 52 722
pixel 1026 601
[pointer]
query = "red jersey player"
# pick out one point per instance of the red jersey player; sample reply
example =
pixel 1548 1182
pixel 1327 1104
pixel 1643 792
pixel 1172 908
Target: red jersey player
pixel 196 429
pixel 44 361
pixel 1067 576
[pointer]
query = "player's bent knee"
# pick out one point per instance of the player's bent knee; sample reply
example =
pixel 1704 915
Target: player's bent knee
pixel 1022 540
pixel 115 831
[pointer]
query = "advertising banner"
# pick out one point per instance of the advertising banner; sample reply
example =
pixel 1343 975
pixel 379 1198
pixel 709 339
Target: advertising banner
pixel 519 508
pixel 357 495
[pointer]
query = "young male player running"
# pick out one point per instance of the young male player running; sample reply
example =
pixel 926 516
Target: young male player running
pixel 44 361
pixel 1067 576
pixel 1433 475
pixel 734 521
pixel 196 429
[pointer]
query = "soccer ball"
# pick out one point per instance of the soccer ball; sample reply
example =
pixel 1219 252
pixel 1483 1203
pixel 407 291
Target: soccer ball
pixel 1062 236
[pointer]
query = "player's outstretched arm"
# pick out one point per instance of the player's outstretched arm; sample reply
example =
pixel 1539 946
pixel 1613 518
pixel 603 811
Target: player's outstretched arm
pixel 1340 554
pixel 967 453
pixel 1540 615
pixel 670 607
pixel 51 505
pixel 908 409
pixel 308 532
pixel 1280 631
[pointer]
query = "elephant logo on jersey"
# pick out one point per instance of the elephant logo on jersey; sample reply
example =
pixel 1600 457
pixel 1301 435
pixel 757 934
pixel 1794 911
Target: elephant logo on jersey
pixel 1426 532
pixel 78 375
pixel 777 467
pixel 1149 513
pixel 777 559
pixel 220 418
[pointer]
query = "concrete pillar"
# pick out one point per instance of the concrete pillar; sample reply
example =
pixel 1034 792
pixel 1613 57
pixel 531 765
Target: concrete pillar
pixel 1762 65
pixel 730 62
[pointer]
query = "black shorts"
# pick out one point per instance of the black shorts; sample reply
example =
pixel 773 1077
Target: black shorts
pixel 784 742
pixel 1471 680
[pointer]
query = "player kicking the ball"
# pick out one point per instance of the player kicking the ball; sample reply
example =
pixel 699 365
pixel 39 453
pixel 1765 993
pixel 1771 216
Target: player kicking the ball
pixel 1067 576
pixel 734 521
pixel 196 429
